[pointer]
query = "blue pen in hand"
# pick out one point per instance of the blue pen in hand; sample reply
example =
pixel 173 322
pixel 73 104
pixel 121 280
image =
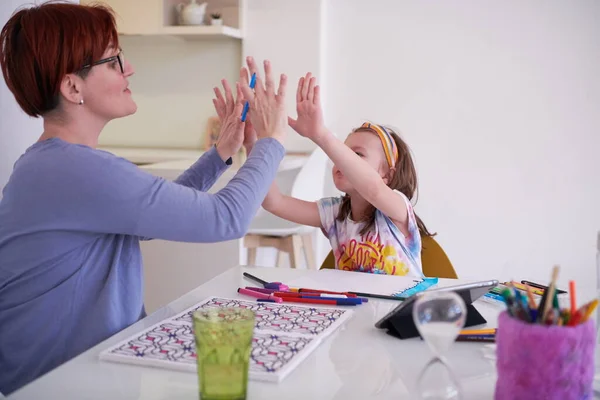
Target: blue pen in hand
pixel 247 105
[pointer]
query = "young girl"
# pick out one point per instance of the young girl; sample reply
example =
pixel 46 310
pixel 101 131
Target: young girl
pixel 373 227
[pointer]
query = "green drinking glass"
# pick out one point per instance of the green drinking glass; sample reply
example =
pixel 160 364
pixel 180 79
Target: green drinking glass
pixel 223 346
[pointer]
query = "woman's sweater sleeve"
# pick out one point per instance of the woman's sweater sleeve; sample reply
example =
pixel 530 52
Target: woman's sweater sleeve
pixel 204 172
pixel 110 195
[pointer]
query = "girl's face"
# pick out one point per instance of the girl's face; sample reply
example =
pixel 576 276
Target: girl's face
pixel 367 145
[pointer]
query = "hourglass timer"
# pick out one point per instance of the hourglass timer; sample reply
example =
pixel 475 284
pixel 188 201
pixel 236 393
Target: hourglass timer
pixel 439 317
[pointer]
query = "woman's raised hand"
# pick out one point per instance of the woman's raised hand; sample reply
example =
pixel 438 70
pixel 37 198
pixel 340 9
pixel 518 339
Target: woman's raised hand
pixel 267 107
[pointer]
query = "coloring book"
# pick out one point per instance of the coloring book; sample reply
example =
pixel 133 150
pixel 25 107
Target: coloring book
pixel 284 335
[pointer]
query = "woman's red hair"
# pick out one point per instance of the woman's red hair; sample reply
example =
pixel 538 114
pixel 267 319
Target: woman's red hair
pixel 41 44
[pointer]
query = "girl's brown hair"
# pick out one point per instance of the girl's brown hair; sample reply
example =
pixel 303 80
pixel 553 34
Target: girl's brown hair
pixel 403 180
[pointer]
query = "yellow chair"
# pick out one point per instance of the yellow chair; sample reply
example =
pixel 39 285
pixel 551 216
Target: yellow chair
pixel 433 258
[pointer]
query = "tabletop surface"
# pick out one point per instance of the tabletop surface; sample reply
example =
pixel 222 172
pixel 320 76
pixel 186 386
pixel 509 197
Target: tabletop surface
pixel 357 361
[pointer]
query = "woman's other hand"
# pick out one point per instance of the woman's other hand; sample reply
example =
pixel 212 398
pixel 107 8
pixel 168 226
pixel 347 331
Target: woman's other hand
pixel 267 107
pixel 229 111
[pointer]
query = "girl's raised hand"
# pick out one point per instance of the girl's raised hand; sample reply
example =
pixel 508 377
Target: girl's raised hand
pixel 308 106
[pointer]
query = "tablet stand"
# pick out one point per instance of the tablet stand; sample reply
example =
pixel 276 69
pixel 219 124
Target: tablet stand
pixel 403 326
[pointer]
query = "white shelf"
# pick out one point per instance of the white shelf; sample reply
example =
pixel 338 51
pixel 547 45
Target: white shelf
pixel 202 31
pixel 152 156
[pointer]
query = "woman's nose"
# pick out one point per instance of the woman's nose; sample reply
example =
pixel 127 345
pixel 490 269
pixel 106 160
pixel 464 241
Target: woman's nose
pixel 128 69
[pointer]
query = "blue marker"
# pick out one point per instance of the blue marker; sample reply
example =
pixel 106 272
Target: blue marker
pixel 247 105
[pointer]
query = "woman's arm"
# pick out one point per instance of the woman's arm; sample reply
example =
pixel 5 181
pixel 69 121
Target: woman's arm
pixel 292 209
pixel 109 195
pixel 203 174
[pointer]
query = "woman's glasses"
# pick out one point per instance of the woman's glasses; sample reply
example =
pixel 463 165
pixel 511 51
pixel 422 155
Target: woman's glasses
pixel 119 57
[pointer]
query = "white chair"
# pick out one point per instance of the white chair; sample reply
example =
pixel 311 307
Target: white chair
pixel 268 230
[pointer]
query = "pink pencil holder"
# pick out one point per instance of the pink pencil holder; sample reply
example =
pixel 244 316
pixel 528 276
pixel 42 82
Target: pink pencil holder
pixel 544 362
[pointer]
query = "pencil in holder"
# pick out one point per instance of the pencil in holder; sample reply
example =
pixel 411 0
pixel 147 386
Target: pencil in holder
pixel 537 361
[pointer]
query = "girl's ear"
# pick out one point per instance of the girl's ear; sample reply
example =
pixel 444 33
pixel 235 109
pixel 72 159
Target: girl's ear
pixel 387 178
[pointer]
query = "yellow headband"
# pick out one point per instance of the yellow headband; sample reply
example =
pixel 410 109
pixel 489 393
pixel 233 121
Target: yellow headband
pixel 389 144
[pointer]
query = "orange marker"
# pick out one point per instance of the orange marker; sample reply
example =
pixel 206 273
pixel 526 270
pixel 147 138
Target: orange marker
pixel 572 296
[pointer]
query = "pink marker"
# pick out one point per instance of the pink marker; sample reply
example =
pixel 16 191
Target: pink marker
pixel 262 290
pixel 259 295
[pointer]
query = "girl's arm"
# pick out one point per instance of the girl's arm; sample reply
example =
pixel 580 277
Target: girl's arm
pixel 286 207
pixel 291 209
pixel 359 173
pixel 365 180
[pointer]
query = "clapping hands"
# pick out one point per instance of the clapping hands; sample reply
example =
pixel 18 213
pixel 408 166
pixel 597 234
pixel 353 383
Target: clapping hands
pixel 266 118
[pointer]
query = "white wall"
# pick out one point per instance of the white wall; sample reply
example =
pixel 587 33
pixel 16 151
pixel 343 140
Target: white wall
pixel 17 130
pixel 173 88
pixel 291 35
pixel 499 102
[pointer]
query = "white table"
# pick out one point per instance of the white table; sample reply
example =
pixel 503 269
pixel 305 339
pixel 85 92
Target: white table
pixel 357 362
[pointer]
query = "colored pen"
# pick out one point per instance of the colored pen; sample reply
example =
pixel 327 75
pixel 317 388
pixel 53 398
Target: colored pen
pixel 320 295
pixel 259 295
pixel 530 299
pixel 262 290
pixel 572 296
pixel 303 290
pixel 338 302
pixel 510 303
pixel 549 294
pixel 490 331
pixel 348 300
pixel 538 286
pixel 378 296
pixel 267 285
pixel 247 105
pixel 299 294
pixel 276 285
pixel 255 278
pixel 521 286
pixel 587 310
pixel 494 296
pixel 476 338
pixel 521 302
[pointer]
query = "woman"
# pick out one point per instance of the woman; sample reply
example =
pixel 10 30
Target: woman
pixel 72 216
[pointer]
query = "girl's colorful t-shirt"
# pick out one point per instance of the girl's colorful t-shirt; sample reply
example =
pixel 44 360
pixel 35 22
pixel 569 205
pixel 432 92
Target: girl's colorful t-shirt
pixel 381 250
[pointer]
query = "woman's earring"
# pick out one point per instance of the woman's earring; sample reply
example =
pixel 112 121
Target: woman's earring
pixel 81 102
